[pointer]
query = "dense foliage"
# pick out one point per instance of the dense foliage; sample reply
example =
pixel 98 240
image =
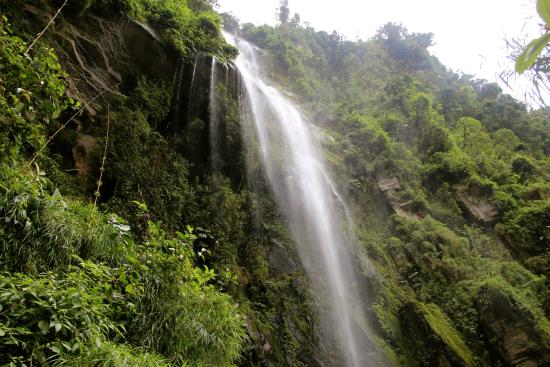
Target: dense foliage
pixel 182 258
pixel 76 287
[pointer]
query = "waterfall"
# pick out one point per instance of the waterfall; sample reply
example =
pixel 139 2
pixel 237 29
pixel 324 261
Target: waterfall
pixel 214 122
pixel 178 82
pixel 198 63
pixel 303 190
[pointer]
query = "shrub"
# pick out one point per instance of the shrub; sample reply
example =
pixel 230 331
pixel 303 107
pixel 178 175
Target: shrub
pixel 42 231
pixel 179 314
pixel 32 93
pixel 46 316
pixel 110 354
pixel 527 227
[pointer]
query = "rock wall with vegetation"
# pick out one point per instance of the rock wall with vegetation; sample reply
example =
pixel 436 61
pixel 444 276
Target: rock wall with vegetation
pixel 122 246
pixel 448 178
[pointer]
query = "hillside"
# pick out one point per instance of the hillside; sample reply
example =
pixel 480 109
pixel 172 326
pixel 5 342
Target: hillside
pixel 138 227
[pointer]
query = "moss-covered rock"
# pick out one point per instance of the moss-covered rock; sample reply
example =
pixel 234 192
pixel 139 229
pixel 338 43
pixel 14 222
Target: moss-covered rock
pixel 431 338
pixel 513 332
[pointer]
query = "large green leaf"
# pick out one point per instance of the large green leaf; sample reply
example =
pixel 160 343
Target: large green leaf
pixel 543 8
pixel 531 52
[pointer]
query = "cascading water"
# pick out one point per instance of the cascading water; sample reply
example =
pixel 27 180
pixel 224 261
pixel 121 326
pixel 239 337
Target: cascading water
pixel 198 60
pixel 213 110
pixel 293 165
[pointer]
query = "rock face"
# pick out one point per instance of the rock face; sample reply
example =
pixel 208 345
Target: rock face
pixel 85 157
pixel 280 261
pixel 511 331
pixel 392 190
pixel 105 53
pixel 476 206
pixel 432 339
pixel 119 47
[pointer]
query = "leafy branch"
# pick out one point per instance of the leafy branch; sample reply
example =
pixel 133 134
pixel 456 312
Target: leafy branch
pixel 530 54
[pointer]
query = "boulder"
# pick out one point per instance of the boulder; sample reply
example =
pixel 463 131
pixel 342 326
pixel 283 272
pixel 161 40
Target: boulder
pixel 477 206
pixel 85 156
pixel 392 190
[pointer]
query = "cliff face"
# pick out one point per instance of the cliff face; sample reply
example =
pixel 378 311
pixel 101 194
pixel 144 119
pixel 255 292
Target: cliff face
pixel 426 159
pixel 145 111
pixel 104 51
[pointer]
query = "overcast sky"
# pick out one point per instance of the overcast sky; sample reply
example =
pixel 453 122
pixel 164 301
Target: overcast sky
pixel 469 34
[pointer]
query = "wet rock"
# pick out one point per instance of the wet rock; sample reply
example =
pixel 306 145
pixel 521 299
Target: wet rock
pixel 85 156
pixel 105 53
pixel 511 331
pixel 279 260
pixel 386 184
pixel 430 337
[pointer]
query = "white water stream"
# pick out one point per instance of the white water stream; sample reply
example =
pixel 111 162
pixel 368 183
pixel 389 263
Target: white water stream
pixel 213 110
pixel 304 191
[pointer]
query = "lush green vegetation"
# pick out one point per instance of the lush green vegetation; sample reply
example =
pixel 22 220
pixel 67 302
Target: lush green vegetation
pixel 79 286
pixel 83 286
pixel 170 263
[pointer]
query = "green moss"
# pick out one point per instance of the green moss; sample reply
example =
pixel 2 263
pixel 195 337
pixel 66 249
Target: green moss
pixel 441 326
pixel 526 299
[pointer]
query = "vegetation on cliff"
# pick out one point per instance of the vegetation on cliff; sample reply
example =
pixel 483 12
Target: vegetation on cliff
pixel 79 286
pixel 470 166
pixel 164 261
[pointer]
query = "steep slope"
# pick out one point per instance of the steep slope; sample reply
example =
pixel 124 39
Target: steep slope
pixel 127 240
pixel 444 171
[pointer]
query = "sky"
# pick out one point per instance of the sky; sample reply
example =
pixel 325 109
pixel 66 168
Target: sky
pixel 469 35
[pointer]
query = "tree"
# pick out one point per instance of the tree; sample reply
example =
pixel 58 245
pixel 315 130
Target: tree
pixel 230 22
pixel 409 49
pixel 295 21
pixel 283 12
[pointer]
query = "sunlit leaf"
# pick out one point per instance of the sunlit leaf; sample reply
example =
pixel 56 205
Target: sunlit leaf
pixel 44 326
pixel 56 114
pixel 543 8
pixel 129 289
pixel 55 349
pixel 57 326
pixel 531 52
pixel 75 347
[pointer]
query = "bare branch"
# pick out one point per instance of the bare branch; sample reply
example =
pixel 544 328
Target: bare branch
pixel 102 169
pixel 46 28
